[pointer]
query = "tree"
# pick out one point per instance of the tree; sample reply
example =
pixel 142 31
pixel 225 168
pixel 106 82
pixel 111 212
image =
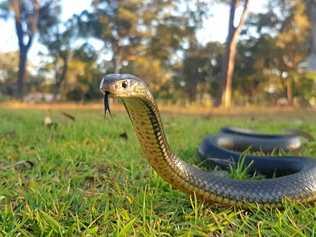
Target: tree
pixel 201 65
pixel 289 28
pixel 292 41
pixel 151 70
pixel 8 72
pixel 310 62
pixel 58 37
pixel 171 33
pixel 231 46
pixel 83 75
pixel 26 14
pixel 116 23
pixel 140 34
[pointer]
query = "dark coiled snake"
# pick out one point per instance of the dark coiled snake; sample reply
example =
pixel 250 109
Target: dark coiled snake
pixel 298 182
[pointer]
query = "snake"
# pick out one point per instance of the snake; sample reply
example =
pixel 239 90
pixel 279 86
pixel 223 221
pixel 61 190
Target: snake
pixel 298 185
pixel 240 139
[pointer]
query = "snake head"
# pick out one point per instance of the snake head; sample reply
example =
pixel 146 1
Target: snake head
pixel 124 86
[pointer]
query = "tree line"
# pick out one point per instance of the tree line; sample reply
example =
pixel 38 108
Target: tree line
pixel 157 40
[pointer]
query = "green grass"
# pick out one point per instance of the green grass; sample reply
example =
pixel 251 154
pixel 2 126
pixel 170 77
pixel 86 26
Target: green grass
pixel 82 179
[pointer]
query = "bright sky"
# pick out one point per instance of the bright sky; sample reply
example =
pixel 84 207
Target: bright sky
pixel 215 28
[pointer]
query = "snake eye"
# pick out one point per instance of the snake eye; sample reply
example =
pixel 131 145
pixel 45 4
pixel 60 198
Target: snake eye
pixel 124 84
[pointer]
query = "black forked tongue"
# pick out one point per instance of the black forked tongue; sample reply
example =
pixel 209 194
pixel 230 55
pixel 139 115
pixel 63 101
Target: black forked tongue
pixel 106 103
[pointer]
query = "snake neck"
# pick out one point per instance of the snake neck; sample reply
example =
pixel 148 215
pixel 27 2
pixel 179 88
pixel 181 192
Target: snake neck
pixel 146 120
pixel 147 123
pixel 149 130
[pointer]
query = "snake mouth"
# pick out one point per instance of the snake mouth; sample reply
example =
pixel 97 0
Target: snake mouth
pixel 106 93
pixel 105 90
pixel 106 86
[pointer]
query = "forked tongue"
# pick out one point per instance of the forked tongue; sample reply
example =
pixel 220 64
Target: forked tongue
pixel 106 103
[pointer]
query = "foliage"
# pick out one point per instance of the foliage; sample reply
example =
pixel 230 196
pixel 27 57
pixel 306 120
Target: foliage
pixel 267 62
pixel 116 24
pixel 157 40
pixel 83 75
pixel 141 33
pixel 201 66
pixel 150 70
pixel 8 64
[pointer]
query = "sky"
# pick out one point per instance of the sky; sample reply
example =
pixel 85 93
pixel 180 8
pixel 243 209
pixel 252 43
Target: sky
pixel 214 28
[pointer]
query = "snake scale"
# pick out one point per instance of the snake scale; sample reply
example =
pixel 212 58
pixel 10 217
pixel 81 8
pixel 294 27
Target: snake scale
pixel 299 185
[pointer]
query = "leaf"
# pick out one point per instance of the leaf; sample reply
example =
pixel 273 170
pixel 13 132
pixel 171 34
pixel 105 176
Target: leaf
pixel 67 115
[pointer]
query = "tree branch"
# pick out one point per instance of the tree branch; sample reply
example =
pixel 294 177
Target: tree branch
pixel 15 5
pixel 231 28
pixel 34 16
pixel 19 32
pixel 242 18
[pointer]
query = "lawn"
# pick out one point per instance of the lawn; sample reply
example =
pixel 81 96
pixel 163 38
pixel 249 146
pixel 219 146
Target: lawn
pixel 84 178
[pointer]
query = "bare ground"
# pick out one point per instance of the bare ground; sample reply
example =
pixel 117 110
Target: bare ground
pixel 171 109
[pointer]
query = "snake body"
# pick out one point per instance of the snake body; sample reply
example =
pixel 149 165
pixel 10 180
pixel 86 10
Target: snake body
pixel 238 139
pixel 145 118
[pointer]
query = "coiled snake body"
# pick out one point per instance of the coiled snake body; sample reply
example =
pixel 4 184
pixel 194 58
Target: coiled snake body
pixel 143 112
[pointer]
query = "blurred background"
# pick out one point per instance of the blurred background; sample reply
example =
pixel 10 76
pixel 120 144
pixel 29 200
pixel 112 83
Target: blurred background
pixel 202 52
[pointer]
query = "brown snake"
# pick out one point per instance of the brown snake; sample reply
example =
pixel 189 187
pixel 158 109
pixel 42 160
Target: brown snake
pixel 145 117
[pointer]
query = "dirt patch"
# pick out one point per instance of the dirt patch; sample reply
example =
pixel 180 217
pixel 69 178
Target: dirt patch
pixel 172 109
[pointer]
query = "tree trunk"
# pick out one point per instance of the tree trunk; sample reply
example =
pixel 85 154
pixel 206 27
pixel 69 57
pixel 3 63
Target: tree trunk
pixel 229 73
pixel 227 49
pixel 25 28
pixel 116 64
pixel 289 91
pixel 312 13
pixel 310 61
pixel 192 93
pixel 116 59
pixel 230 52
pixel 22 73
pixel 24 48
pixel 61 77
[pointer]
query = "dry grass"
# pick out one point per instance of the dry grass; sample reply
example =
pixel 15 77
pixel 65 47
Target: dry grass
pixel 194 109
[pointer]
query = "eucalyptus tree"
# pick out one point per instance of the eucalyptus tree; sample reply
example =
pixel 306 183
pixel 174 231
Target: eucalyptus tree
pixel 59 38
pixel 288 26
pixel 141 35
pixel 201 65
pixel 117 25
pixel 26 14
pixel 231 46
